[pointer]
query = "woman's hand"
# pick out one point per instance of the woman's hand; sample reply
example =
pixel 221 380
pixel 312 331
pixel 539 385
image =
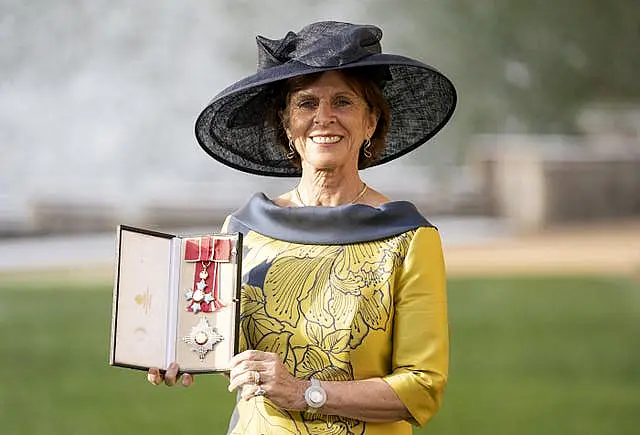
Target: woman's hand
pixel 170 377
pixel 262 373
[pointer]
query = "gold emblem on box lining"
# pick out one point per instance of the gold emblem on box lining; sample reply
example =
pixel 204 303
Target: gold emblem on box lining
pixel 144 300
pixel 203 338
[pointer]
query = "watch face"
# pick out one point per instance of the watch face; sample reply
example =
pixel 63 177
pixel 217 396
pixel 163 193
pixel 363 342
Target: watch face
pixel 315 395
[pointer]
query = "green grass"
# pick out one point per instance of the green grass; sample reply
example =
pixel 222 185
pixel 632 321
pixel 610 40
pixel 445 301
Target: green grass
pixel 552 356
pixel 529 356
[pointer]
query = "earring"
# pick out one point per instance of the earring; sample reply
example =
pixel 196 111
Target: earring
pixel 291 154
pixel 367 149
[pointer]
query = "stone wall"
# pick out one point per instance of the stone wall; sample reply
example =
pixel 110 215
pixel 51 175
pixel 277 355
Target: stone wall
pixel 540 181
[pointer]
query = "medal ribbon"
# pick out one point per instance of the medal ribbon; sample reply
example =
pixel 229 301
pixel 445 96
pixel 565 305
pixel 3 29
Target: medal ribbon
pixel 203 251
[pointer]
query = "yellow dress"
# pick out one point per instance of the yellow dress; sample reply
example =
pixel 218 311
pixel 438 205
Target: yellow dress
pixel 343 293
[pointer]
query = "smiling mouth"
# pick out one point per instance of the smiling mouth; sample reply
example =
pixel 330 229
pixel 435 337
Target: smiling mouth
pixel 326 139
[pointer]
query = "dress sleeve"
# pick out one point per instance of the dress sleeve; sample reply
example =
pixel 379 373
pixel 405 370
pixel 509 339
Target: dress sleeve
pixel 420 356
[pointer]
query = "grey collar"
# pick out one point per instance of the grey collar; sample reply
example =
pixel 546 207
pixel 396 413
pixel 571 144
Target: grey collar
pixel 326 225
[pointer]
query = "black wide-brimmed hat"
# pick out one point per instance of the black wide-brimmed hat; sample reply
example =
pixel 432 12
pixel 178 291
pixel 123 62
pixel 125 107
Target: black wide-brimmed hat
pixel 233 128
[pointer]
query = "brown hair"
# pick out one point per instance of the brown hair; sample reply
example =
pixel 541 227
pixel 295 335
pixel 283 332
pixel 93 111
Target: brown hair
pixel 365 80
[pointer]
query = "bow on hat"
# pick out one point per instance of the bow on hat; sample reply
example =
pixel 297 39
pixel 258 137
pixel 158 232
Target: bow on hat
pixel 321 45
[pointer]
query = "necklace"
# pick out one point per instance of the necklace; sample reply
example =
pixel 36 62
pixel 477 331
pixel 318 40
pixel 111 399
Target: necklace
pixel 360 195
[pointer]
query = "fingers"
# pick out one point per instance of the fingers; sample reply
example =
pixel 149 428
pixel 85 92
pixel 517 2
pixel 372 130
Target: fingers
pixel 253 372
pixel 247 368
pixel 171 376
pixel 249 355
pixel 244 377
pixel 252 390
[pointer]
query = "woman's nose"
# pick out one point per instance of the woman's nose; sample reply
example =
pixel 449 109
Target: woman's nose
pixel 324 113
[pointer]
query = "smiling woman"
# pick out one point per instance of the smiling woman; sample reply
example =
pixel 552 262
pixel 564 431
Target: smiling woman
pixel 361 86
pixel 343 311
pixel 328 124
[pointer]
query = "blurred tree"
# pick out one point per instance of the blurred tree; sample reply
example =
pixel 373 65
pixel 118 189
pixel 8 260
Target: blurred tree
pixel 524 65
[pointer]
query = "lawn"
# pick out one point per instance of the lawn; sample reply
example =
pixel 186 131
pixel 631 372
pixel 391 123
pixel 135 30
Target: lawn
pixel 529 356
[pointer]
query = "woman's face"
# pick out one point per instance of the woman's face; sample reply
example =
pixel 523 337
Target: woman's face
pixel 328 121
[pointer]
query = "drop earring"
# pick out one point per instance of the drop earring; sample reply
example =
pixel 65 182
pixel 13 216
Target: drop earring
pixel 367 149
pixel 291 154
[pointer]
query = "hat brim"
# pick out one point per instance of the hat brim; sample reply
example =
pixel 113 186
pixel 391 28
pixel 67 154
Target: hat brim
pixel 231 129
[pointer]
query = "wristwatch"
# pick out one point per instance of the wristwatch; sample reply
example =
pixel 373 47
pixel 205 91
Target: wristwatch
pixel 315 396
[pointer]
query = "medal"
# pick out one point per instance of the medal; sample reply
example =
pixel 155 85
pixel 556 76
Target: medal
pixel 205 252
pixel 202 338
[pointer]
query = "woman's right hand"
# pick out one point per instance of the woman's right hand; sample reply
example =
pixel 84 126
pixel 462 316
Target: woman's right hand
pixel 170 377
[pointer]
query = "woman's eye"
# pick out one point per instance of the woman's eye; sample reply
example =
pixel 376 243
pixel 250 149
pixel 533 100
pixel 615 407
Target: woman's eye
pixel 306 104
pixel 342 102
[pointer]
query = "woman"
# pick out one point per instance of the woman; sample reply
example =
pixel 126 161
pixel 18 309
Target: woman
pixel 344 318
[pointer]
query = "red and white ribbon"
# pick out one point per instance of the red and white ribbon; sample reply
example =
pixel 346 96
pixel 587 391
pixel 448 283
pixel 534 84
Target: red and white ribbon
pixel 204 251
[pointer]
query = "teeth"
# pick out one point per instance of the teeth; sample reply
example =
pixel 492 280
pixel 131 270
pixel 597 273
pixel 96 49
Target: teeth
pixel 326 139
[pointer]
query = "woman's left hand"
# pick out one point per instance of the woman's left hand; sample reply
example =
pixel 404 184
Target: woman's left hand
pixel 262 373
